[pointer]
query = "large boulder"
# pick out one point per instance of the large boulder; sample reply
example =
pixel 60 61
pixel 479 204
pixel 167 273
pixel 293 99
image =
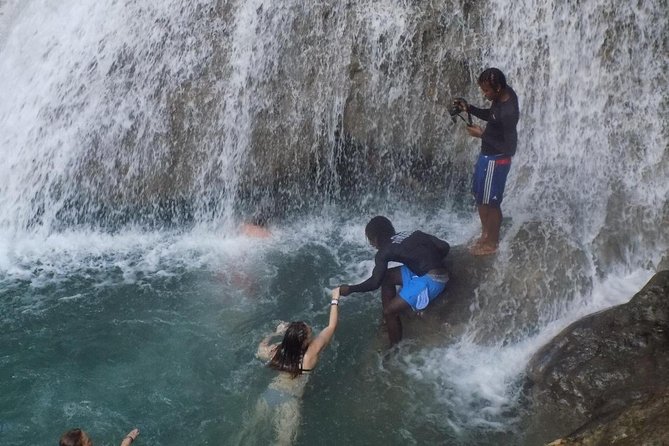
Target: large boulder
pixel 639 424
pixel 603 373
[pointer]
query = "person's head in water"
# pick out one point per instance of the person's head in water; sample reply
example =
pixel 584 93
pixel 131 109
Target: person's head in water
pixel 75 437
pixel 492 83
pixel 288 355
pixel 257 226
pixel 379 230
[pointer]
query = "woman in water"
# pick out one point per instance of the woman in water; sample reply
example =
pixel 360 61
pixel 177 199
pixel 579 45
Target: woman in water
pixel 294 358
pixel 78 437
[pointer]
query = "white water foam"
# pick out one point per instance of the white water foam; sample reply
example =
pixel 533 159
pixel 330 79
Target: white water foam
pixel 42 259
pixel 480 384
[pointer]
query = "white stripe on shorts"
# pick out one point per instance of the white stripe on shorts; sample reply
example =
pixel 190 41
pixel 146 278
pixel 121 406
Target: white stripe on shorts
pixel 490 171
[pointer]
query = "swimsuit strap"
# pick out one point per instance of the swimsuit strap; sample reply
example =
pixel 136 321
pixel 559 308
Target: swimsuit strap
pixel 301 369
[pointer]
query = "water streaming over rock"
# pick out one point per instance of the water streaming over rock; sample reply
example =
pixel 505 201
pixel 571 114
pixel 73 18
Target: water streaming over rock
pixel 126 124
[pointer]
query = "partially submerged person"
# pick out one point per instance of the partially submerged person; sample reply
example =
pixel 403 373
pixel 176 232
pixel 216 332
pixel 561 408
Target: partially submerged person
pixel 244 275
pixel 499 140
pixel 423 275
pixel 78 437
pixel 256 227
pixel 294 358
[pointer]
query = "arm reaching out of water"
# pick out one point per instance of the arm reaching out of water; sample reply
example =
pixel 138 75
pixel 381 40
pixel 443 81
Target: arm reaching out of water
pixel 128 439
pixel 265 348
pixel 294 358
pixel 325 336
pixel 79 437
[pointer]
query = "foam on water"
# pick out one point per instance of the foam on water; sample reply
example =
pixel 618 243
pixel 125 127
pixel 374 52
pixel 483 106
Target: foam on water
pixel 480 385
pixel 477 385
pixel 90 121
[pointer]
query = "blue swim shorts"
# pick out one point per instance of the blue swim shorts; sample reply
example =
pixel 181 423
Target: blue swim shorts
pixel 490 179
pixel 419 291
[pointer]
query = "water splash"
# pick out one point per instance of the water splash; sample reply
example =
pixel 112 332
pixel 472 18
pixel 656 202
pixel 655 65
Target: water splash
pixel 136 134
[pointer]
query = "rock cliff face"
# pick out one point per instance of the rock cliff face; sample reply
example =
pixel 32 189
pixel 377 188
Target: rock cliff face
pixel 605 379
pixel 639 424
pixel 294 104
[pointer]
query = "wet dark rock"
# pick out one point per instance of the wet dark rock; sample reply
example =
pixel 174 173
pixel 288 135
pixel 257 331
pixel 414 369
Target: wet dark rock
pixel 664 263
pixel 639 424
pixel 541 269
pixel 611 246
pixel 535 270
pixel 605 379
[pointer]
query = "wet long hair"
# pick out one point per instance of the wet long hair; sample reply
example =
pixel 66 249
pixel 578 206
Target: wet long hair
pixel 379 229
pixel 493 77
pixel 288 355
pixel 73 437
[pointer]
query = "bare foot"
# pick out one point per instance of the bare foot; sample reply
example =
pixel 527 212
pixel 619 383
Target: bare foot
pixel 483 250
pixel 481 240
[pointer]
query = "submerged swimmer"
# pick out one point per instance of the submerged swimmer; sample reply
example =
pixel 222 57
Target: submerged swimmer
pixel 294 358
pixel 256 227
pixel 244 274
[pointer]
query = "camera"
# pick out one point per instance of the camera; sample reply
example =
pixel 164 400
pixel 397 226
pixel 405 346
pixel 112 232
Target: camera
pixel 455 111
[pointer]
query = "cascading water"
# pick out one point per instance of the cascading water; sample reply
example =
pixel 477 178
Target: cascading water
pixel 137 134
pixel 176 113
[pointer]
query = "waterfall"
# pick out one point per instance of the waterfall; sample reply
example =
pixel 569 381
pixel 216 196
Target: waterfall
pixel 588 196
pixel 137 105
pixel 138 112
pixel 593 81
pixel 589 192
pixel 181 114
pixel 126 120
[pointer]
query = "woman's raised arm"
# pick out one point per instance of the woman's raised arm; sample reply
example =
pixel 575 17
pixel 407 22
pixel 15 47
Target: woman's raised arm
pixel 324 337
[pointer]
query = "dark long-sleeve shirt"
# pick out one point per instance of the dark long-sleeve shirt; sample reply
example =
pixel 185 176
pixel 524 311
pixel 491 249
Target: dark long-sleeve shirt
pixel 500 135
pixel 419 251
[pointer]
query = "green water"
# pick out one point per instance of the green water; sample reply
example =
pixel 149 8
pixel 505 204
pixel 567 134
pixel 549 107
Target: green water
pixel 106 344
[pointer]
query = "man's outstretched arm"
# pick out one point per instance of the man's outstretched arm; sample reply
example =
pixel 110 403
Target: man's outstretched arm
pixel 371 284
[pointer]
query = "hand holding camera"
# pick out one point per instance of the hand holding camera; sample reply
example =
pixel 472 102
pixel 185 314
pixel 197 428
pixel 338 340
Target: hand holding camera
pixel 460 105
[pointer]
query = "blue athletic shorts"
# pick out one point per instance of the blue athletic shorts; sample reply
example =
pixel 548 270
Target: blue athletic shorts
pixel 490 179
pixel 419 291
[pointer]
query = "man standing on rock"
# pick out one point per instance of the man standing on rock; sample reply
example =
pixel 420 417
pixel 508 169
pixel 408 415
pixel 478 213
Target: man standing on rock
pixel 422 276
pixel 498 144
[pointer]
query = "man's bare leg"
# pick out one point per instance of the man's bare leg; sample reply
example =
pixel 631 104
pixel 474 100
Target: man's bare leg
pixel 494 225
pixel 391 280
pixel 491 222
pixel 389 298
pixel 391 313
